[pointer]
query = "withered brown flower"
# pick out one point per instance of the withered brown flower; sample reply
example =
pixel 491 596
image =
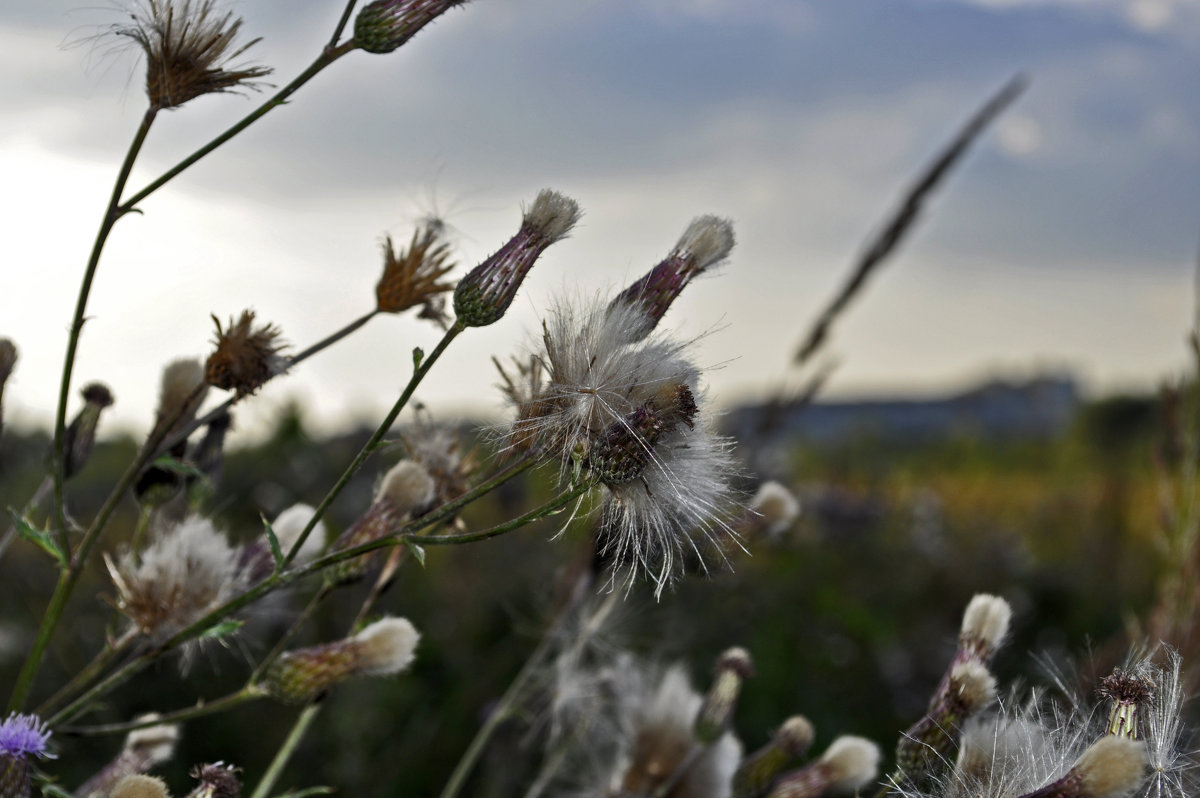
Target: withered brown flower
pixel 410 277
pixel 245 357
pixel 188 46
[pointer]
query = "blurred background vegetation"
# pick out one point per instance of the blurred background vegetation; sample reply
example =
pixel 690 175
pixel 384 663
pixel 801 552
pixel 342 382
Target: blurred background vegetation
pixel 850 615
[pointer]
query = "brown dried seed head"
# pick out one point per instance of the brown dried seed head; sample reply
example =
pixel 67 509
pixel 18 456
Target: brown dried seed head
pixel 410 277
pixel 188 45
pixel 245 357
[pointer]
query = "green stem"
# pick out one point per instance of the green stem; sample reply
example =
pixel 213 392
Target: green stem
pixel 301 619
pixel 341 26
pixel 418 374
pixel 200 710
pixel 139 531
pixel 547 509
pixel 327 57
pixel 112 213
pixel 285 751
pixel 93 669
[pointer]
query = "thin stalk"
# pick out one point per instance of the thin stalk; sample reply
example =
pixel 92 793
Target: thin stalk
pixel 327 57
pixel 200 710
pixel 35 501
pixel 301 619
pixel 547 509
pixel 341 26
pixel 418 374
pixel 111 214
pixel 139 530
pixel 90 671
pixel 285 751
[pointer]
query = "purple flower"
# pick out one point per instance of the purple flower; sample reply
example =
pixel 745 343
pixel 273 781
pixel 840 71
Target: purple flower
pixel 22 735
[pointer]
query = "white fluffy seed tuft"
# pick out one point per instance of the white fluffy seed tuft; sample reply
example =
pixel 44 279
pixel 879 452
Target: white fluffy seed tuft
pixel 974 684
pixel 387 646
pixel 552 215
pixel 707 241
pixel 778 507
pixel 986 620
pixel 1112 767
pixel 154 744
pixel 407 486
pixel 290 523
pixel 853 762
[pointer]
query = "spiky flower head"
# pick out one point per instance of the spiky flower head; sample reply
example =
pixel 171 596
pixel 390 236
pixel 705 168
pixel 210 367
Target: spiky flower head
pixel 217 780
pixel 187 571
pixel 849 764
pixel 707 241
pixel 189 45
pixel 411 276
pixel 790 742
pixel 483 296
pixel 626 410
pixel 21 738
pixel 405 491
pixel 245 356
pixel 384 648
pixel 384 25
pixel 144 748
pixel 140 786
pixel 80 435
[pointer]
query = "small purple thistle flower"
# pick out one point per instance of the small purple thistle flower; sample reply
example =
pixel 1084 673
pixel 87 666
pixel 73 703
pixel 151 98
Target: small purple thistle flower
pixel 22 735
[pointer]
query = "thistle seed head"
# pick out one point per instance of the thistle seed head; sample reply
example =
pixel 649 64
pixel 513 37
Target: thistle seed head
pixel 144 748
pixel 290 523
pixel 140 786
pixel 777 508
pixel 410 277
pixel 216 780
pixel 245 357
pixel 384 25
pixel 188 45
pixel 790 742
pixel 984 626
pixel 1112 767
pixel 484 295
pixel 716 713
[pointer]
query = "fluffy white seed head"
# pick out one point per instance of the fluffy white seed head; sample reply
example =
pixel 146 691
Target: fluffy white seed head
pixel 707 241
pixel 407 486
pixel 182 390
pixel 985 623
pixel 1112 768
pixel 387 646
pixel 778 507
pixel 552 215
pixel 140 786
pixel 853 762
pixel 290 523
pixel 153 744
pixel 973 685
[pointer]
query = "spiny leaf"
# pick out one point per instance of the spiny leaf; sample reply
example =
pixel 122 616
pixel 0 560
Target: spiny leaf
pixel 273 540
pixel 221 629
pixel 417 551
pixel 39 537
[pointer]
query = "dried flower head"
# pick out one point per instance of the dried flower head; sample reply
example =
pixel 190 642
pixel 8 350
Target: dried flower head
pixel 216 780
pixel 1127 691
pixel 707 241
pixel 139 786
pixel 849 764
pixel 410 277
pixel 80 435
pixel 384 648
pixel 21 737
pixel 245 356
pixel 144 748
pixel 187 571
pixel 189 45
pixel 384 25
pixel 483 296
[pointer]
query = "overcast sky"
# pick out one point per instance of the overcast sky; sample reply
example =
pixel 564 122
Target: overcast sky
pixel 1066 239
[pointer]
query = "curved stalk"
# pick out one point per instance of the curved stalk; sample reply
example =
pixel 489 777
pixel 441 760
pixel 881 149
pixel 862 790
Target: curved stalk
pixel 263 788
pixel 178 716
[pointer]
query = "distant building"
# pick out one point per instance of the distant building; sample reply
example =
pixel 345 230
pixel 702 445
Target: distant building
pixel 1039 408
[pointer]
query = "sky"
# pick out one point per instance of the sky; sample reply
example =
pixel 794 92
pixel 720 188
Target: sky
pixel 1066 239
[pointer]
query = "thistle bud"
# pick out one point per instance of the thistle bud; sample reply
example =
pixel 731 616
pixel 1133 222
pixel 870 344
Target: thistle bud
pixel 245 357
pixel 706 242
pixel 139 786
pixel 483 296
pixel 733 667
pixel 1112 767
pixel 405 490
pixel 217 780
pixel 849 764
pixel 927 744
pixel 758 770
pixel 384 25
pixel 21 737
pixel 81 434
pixel 984 627
pixel 383 648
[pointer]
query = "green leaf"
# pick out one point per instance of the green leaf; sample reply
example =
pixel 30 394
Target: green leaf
pixel 417 551
pixel 418 356
pixel 276 552
pixel 169 463
pixel 39 537
pixel 221 629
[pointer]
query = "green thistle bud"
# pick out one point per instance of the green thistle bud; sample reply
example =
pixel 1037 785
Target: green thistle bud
pixel 384 25
pixel 81 434
pixel 758 770
pixel 733 667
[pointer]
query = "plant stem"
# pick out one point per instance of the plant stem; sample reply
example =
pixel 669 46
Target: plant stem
pixel 35 501
pixel 111 214
pixel 341 26
pixel 418 374
pixel 536 514
pixel 301 619
pixel 327 57
pixel 285 751
pixel 201 709
pixel 80 680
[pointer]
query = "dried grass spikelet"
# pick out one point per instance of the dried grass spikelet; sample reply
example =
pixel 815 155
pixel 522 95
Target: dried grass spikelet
pixel 216 780
pixel 140 786
pixel 187 571
pixel 384 648
pixel 662 749
pixel 405 491
pixel 143 749
pixel 188 45
pixel 411 277
pixel 245 357
pixel 849 764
